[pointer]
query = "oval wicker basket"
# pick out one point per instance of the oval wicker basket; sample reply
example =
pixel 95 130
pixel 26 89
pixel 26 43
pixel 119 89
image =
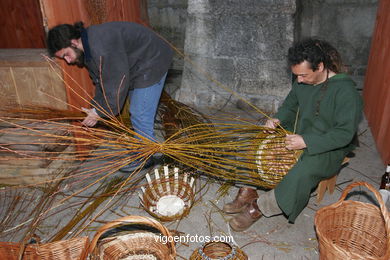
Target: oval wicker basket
pixel 71 249
pixel 139 244
pixel 351 229
pixel 218 250
pixel 168 197
pixel 273 160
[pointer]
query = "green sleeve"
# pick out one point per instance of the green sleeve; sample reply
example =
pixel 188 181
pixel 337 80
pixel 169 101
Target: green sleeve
pixel 347 113
pixel 288 110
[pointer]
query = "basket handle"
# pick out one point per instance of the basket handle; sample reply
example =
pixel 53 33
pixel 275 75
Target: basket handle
pixel 378 196
pixel 133 220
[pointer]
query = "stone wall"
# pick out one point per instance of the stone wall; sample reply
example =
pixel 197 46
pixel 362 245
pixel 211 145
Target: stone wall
pixel 239 46
pixel 168 18
pixel 347 24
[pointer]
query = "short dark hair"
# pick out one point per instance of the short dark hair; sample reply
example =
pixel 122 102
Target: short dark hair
pixel 60 36
pixel 316 51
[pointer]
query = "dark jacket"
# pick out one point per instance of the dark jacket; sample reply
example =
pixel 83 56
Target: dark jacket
pixel 121 56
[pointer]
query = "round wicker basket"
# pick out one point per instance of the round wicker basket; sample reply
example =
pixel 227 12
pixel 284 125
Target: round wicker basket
pixel 354 230
pixel 139 244
pixel 273 159
pixel 218 250
pixel 168 197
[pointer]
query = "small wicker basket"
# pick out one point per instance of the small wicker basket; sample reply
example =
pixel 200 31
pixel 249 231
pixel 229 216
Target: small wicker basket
pixel 71 249
pixel 168 197
pixel 141 243
pixel 218 250
pixel 351 229
pixel 273 160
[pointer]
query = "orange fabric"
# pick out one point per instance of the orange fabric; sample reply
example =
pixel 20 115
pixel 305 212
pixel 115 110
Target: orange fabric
pixel 376 91
pixel 21 24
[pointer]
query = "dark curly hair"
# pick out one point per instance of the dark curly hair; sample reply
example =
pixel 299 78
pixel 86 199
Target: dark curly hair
pixel 316 51
pixel 60 36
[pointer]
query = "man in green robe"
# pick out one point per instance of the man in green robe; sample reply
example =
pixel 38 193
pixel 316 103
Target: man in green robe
pixel 323 109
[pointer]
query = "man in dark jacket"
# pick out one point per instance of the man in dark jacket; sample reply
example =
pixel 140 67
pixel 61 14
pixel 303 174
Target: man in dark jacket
pixel 123 59
pixel 325 109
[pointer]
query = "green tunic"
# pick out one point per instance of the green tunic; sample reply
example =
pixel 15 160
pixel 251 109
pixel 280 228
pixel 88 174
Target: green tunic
pixel 328 119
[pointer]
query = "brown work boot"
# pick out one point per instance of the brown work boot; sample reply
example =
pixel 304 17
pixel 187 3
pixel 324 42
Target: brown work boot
pixel 244 196
pixel 246 218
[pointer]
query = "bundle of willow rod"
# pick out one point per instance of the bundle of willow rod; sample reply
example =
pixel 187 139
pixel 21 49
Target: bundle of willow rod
pixel 229 151
pixel 236 152
pixel 31 126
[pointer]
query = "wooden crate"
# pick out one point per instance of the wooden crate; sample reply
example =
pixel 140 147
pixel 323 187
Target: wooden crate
pixel 26 78
pixel 31 172
pixel 35 156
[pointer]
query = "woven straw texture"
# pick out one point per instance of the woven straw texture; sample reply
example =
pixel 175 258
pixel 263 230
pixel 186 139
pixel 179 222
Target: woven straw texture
pixel 218 250
pixel 168 185
pixel 139 244
pixel 72 249
pixel 273 160
pixel 354 230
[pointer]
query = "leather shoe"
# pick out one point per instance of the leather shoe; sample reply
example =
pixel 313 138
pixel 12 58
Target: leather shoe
pixel 244 196
pixel 246 218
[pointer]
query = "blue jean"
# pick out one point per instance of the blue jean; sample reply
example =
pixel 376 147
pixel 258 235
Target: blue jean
pixel 143 108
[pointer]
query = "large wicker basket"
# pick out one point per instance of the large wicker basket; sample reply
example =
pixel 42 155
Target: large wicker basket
pixel 142 242
pixel 218 250
pixel 351 229
pixel 72 249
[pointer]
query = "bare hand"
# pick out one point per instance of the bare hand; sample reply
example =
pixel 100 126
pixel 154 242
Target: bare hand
pixel 92 117
pixel 295 142
pixel 272 123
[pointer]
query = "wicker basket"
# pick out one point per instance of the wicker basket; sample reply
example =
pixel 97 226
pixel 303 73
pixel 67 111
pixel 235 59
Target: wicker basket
pixel 351 229
pixel 218 250
pixel 75 248
pixel 273 160
pixel 168 197
pixel 138 244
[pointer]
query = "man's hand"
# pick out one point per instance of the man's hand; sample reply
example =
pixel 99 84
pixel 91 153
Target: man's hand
pixel 295 142
pixel 92 117
pixel 272 123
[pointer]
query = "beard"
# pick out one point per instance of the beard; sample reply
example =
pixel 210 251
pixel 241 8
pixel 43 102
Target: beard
pixel 79 61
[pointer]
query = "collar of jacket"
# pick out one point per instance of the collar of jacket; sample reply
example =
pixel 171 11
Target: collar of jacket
pixel 84 40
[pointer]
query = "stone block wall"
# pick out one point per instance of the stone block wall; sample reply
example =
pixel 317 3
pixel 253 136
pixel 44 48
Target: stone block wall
pixel 347 24
pixel 242 44
pixel 168 18
pixel 239 46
